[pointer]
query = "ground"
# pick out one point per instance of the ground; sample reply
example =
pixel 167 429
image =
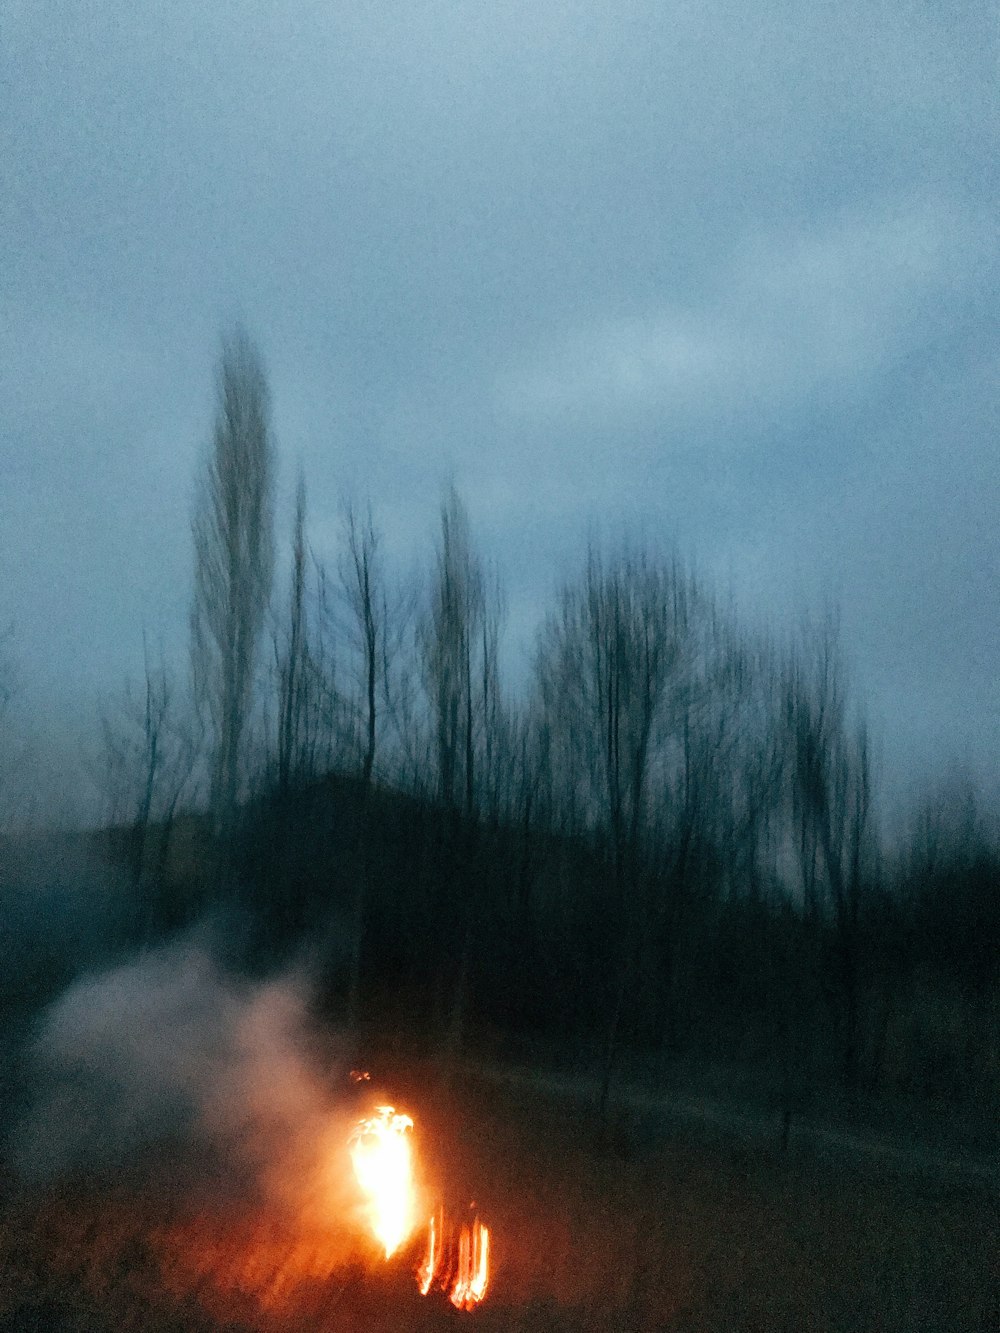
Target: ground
pixel 653 1226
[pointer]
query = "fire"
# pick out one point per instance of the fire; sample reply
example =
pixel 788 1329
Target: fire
pixel 382 1156
pixel 473 1274
pixel 428 1269
pixel 457 1260
pixel 462 1270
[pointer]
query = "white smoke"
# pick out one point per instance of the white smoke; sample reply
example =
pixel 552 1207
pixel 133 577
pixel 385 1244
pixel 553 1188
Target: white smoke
pixel 171 1049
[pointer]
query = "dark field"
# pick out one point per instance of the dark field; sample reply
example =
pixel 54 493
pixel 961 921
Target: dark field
pixel 650 1231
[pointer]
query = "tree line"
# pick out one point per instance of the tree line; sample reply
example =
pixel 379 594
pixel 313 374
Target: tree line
pixel 667 840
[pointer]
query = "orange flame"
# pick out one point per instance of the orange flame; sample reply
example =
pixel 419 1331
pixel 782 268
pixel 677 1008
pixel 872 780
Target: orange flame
pixel 428 1269
pixel 473 1274
pixel 462 1271
pixel 382 1157
pixel 457 1260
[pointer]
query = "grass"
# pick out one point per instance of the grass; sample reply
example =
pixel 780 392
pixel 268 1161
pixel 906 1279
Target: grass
pixel 658 1231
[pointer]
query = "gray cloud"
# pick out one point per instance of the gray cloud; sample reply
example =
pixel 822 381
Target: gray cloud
pixel 819 314
pixel 725 274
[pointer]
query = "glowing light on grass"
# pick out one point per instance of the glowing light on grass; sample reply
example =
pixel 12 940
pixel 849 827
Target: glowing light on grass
pixel 382 1156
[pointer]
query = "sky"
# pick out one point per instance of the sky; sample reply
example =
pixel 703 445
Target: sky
pixel 722 275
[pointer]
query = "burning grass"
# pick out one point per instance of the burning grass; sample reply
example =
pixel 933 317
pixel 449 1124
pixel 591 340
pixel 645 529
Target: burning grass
pixel 382 1156
pixel 672 1235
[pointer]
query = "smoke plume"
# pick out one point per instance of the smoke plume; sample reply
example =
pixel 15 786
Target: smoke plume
pixel 171 1050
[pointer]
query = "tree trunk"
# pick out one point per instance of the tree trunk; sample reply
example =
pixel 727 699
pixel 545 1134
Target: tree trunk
pixel 611 1049
pixel 362 870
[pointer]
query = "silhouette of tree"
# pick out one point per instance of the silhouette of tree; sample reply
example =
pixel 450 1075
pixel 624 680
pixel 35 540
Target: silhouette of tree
pixel 234 558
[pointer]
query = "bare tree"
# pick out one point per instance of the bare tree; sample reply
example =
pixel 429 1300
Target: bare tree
pixel 292 661
pixel 944 828
pixel 151 749
pixel 234 558
pixel 830 773
pixel 450 641
pixel 328 725
pixel 408 742
pixel 497 733
pixel 362 582
pixel 614 670
pixel 459 643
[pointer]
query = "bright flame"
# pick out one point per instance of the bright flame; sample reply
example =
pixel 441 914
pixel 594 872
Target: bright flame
pixel 473 1267
pixel 428 1269
pixel 382 1156
pixel 457 1260
pixel 462 1270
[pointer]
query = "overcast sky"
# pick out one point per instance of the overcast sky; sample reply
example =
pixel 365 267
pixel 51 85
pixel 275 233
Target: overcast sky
pixel 722 273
